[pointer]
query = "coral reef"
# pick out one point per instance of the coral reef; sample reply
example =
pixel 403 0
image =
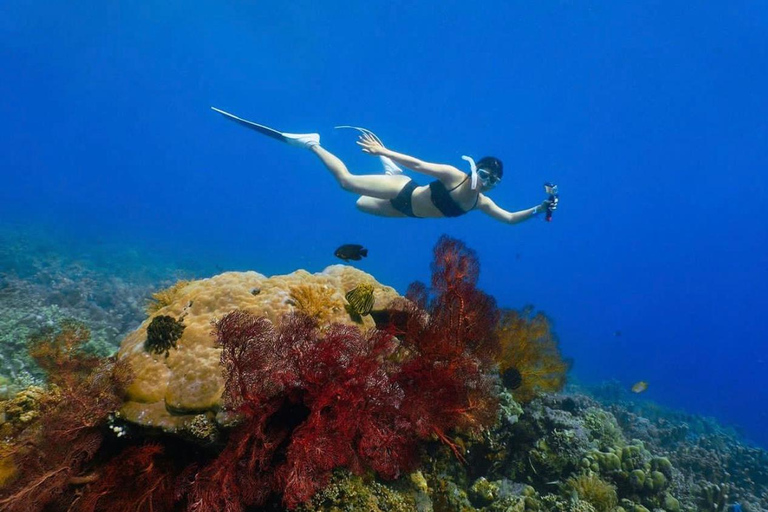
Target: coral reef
pixel 312 400
pixel 269 403
pixel 530 358
pixel 140 478
pixel 711 464
pixel 43 280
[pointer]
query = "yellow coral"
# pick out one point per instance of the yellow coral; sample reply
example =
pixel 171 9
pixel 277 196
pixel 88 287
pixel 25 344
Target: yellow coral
pixel 8 469
pixel 595 491
pixel 165 297
pixel 529 347
pixel 317 301
pixel 18 414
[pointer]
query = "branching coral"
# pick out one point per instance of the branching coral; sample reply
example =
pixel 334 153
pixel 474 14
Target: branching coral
pixel 165 297
pixel 316 301
pixel 530 349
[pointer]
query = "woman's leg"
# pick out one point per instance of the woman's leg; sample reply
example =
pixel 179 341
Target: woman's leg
pixel 374 185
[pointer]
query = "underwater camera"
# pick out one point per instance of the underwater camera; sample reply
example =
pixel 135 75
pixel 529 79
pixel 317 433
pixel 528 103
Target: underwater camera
pixel 554 197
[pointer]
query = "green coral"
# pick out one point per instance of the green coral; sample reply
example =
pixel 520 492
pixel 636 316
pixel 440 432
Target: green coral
pixel 643 480
pixel 713 497
pixel 483 492
pixel 558 453
pixel 22 410
pixel 633 456
pixel 591 488
pixel 553 503
pixel 162 334
pixel 351 493
pixel 671 504
pixel 203 428
pixel 603 427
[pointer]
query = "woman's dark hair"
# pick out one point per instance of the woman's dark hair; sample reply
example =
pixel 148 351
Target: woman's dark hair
pixel 492 165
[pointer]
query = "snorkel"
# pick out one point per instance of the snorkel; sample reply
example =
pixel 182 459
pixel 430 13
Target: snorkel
pixel 486 177
pixel 473 168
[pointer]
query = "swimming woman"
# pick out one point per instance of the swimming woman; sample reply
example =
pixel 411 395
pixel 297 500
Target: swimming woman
pixel 451 194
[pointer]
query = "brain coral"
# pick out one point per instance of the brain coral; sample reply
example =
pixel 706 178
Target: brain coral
pixel 169 392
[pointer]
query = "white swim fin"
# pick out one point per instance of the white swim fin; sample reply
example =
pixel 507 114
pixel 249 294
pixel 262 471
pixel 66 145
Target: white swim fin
pixel 302 140
pixel 390 167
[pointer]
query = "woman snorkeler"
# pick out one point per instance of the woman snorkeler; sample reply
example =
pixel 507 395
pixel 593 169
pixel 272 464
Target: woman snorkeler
pixel 451 194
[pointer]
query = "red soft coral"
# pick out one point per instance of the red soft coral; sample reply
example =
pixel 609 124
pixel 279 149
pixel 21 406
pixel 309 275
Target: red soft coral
pixel 140 479
pixel 314 400
pixel 452 345
pixel 311 401
pixel 53 454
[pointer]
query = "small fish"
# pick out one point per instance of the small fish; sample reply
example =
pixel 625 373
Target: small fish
pixel 639 387
pixel 617 333
pixel 351 252
pixel 361 299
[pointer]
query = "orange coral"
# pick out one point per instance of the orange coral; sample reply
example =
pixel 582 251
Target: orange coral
pixel 529 347
pixel 59 352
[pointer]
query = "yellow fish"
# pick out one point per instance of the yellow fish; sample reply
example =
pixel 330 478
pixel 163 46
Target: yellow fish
pixel 639 387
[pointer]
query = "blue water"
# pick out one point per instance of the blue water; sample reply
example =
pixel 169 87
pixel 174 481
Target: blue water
pixel 651 116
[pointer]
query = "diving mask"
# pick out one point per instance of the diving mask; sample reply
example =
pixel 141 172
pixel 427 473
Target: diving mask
pixel 488 178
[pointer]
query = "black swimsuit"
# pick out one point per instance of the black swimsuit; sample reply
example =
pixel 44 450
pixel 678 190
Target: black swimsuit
pixel 441 198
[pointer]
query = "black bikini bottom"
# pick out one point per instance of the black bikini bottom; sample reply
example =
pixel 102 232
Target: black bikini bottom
pixel 402 202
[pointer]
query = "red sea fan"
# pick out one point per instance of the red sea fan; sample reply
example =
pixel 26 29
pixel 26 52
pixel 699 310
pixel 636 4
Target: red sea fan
pixel 452 346
pixel 461 317
pixel 55 453
pixel 311 401
pixel 241 474
pixel 454 264
pixel 137 480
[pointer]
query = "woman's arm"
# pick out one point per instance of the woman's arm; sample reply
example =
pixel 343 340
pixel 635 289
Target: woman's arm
pixel 487 206
pixel 442 172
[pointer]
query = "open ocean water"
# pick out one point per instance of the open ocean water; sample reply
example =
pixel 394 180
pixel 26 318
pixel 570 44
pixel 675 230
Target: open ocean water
pixel 117 179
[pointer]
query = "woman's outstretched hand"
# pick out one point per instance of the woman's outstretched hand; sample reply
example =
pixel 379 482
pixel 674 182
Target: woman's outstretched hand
pixel 370 145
